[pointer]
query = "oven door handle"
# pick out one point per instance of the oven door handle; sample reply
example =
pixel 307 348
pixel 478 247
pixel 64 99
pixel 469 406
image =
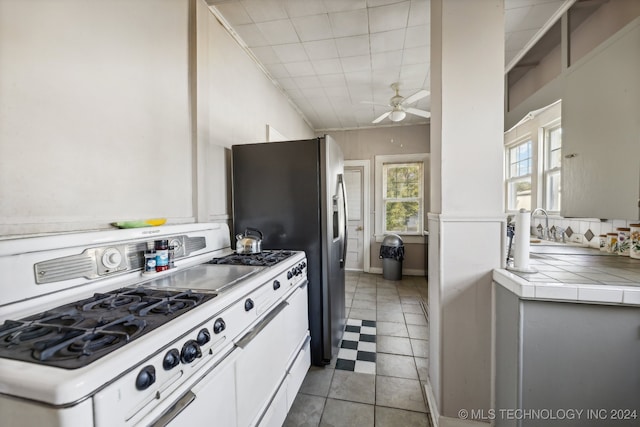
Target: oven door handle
pixel 253 332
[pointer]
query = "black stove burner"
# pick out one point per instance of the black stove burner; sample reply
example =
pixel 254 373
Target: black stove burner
pixel 265 258
pixel 76 334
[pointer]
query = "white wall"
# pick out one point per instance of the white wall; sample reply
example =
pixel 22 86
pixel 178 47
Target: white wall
pixel 122 110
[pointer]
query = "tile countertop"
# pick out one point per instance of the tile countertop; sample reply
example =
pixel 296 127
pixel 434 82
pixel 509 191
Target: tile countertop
pixel 587 276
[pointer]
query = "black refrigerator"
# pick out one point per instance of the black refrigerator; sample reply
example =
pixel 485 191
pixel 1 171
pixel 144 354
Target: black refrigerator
pixel 294 193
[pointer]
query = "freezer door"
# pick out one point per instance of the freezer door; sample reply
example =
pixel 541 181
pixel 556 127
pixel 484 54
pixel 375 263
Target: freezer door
pixel 334 233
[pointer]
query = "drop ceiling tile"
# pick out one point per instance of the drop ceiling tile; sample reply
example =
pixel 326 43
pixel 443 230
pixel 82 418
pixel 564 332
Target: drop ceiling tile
pixel 278 32
pixel 358 78
pixel 294 93
pixel 417 36
pixel 345 24
pixel 333 80
pixel 376 3
pixel 234 13
pixel 391 17
pixel 297 8
pixel 287 83
pixel 303 68
pixel 342 5
pixel 327 66
pixel 337 92
pixel 265 10
pixel 321 49
pixel 313 27
pixel 419 13
pixel 387 41
pixel 353 46
pixel 356 63
pixel 540 14
pixel 305 82
pixel 266 54
pixel 314 93
pixel 515 18
pixel 251 35
pixel 415 55
pixel 386 59
pixel 277 70
pixel 382 79
pixel 291 52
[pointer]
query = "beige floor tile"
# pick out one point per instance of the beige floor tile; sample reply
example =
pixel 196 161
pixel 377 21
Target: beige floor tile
pixel 420 348
pixel 422 364
pixel 340 413
pixel 362 314
pixel 393 365
pixel 418 332
pixel 306 411
pixel 390 417
pixel 390 316
pixel 317 381
pixel 399 393
pixel 394 345
pixel 353 386
pixel 392 329
pixel 415 319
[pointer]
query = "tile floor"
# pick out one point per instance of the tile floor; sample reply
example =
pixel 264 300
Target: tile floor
pixel 375 385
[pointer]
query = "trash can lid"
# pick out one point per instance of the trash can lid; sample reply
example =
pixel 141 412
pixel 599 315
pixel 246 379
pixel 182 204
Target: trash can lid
pixel 392 240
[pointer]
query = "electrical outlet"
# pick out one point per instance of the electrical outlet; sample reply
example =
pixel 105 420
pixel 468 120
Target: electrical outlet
pixel 577 238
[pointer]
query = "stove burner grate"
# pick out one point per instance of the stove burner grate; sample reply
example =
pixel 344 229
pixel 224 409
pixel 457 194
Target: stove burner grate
pixel 76 334
pixel 265 258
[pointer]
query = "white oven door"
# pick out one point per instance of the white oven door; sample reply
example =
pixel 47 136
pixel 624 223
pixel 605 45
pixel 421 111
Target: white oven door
pixel 211 401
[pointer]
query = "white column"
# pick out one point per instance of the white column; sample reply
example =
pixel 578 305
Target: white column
pixel 466 222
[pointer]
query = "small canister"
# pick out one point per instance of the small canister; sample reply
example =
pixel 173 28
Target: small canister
pixel 603 242
pixel 150 260
pixel 624 242
pixel 634 251
pixel 612 243
pixel 162 255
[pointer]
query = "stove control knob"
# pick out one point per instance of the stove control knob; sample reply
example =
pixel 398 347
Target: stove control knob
pixel 276 285
pixel 190 352
pixel 248 304
pixel 111 258
pixel 219 326
pixel 146 377
pixel 289 275
pixel 171 359
pixel 204 336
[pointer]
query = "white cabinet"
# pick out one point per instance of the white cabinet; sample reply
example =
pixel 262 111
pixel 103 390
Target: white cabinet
pixel 601 131
pixel 273 361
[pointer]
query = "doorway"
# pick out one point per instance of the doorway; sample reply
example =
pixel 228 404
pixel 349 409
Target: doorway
pixel 356 173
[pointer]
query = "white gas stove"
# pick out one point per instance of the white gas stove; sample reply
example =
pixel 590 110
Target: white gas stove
pixel 89 339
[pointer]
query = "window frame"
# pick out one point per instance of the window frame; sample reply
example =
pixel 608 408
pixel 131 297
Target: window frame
pixel 509 180
pixel 380 194
pixel 548 171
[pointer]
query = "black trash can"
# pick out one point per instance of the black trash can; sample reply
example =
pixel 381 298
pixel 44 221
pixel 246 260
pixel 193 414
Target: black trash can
pixel 392 255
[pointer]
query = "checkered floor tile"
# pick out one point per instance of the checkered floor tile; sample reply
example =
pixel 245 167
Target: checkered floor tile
pixel 358 347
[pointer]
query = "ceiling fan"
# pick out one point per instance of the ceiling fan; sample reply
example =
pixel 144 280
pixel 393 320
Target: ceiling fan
pixel 399 106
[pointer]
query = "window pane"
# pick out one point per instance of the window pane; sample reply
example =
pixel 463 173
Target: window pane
pixel 402 217
pixel 403 181
pixel 520 160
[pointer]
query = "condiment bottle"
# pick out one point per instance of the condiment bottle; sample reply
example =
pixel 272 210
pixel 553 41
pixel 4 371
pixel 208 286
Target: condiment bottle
pixel 162 255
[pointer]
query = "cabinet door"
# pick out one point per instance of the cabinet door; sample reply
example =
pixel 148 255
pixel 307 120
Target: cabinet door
pixel 601 132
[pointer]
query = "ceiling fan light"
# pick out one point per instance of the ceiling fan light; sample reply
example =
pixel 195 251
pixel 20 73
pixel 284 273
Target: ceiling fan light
pixel 397 115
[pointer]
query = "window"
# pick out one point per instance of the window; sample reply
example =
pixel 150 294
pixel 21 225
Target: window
pixel 552 168
pixel 400 200
pixel 519 162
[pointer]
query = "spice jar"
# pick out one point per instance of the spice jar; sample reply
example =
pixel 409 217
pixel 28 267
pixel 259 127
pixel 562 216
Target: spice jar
pixel 624 244
pixel 603 242
pixel 162 255
pixel 634 238
pixel 150 260
pixel 612 242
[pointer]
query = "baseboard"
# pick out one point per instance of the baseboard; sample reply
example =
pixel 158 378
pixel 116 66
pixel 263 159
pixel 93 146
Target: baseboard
pixel 438 420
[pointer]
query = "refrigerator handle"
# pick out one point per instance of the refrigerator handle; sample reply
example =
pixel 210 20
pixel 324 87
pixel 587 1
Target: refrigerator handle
pixel 344 221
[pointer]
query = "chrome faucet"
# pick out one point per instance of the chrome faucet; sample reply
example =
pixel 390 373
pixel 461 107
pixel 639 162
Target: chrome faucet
pixel 544 234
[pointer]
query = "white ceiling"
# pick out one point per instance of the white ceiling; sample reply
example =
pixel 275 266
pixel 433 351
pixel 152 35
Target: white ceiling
pixel 328 56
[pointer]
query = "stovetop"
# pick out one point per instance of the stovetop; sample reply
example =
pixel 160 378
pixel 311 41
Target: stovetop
pixel 264 258
pixel 73 335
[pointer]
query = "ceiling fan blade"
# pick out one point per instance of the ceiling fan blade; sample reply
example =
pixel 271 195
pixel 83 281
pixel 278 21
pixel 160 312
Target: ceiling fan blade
pixel 382 117
pixel 417 112
pixel 416 96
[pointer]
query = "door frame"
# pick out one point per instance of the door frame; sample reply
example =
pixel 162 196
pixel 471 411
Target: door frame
pixel 366 208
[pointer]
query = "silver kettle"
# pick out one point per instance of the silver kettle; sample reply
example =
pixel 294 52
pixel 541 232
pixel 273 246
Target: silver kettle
pixel 250 242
